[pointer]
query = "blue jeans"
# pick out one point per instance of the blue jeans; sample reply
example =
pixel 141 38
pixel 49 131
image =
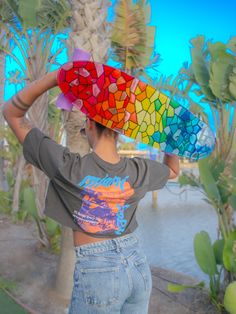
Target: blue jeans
pixel 111 276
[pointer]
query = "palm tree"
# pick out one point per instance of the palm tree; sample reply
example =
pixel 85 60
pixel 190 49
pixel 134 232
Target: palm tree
pixel 30 29
pixel 211 76
pixel 90 32
pixel 133 42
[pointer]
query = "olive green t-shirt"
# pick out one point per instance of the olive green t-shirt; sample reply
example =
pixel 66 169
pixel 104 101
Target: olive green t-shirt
pixel 89 194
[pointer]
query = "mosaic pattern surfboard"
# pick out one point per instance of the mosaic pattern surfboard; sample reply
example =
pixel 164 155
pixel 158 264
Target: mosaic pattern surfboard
pixel 133 108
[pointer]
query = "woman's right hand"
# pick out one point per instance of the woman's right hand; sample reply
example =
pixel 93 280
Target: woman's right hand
pixel 51 79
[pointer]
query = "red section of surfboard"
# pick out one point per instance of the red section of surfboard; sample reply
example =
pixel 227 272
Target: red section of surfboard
pixel 99 91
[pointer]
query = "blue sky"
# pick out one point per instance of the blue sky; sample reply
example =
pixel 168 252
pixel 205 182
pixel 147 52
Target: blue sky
pixel 179 21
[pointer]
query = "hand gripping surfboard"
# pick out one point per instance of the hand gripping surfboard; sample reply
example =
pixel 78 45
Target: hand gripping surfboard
pixel 133 108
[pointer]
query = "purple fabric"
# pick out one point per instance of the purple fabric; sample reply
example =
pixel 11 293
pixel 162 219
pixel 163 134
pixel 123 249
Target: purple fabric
pixel 62 102
pixel 80 54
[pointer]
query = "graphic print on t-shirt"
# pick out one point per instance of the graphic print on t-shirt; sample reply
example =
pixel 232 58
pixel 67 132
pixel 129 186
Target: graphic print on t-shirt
pixel 103 204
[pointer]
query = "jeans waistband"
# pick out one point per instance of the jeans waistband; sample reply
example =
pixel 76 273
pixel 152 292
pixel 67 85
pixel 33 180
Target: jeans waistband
pixel 107 245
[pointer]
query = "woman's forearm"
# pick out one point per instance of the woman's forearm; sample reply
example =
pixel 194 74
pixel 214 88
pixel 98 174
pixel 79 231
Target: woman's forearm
pixel 17 106
pixel 172 162
pixel 35 89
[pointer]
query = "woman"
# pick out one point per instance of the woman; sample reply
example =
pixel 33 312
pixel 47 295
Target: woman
pixel 97 196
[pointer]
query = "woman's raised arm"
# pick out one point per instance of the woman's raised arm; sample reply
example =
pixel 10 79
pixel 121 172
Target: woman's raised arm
pixel 14 109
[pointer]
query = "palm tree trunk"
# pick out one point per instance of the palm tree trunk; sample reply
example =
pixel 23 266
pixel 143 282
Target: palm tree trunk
pixel 90 30
pixel 38 114
pixel 64 280
pixel 16 192
pixel 2 121
pixel 90 33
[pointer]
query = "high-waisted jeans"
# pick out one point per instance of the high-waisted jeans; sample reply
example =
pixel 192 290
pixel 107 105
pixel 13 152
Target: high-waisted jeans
pixel 111 276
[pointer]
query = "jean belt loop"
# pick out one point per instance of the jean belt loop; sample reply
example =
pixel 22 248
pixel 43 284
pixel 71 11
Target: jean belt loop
pixel 117 246
pixel 77 251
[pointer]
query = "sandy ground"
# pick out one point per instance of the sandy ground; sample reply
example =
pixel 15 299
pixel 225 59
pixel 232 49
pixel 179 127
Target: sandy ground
pixel 23 261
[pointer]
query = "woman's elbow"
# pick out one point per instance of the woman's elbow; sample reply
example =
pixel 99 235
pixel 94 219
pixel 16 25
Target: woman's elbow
pixel 173 174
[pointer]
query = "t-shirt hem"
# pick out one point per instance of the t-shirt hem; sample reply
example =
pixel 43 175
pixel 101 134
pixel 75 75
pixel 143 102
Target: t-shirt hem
pixel 75 227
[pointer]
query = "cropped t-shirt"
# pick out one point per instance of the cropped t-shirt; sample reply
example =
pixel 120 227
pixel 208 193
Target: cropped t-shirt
pixel 89 194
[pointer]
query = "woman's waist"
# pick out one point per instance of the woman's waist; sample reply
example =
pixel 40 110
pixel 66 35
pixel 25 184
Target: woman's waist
pixel 81 238
pixel 86 242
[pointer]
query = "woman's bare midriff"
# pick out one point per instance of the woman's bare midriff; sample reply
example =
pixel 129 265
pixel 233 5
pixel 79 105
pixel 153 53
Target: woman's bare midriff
pixel 81 238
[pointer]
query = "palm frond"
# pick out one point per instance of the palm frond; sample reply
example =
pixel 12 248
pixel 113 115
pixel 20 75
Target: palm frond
pixel 132 39
pixel 54 15
pixel 199 65
pixel 232 45
pixel 9 13
pixel 222 65
pixel 28 13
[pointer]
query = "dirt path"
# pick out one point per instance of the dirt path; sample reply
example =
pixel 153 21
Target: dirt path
pixel 33 269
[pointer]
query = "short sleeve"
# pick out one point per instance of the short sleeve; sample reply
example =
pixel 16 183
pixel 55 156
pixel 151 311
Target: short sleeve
pixel 158 174
pixel 43 152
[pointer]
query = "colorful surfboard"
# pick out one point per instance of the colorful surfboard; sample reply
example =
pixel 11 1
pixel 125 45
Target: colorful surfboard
pixel 135 109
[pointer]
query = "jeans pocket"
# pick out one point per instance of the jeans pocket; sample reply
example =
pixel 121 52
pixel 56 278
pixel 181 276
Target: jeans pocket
pixel 143 268
pixel 100 285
